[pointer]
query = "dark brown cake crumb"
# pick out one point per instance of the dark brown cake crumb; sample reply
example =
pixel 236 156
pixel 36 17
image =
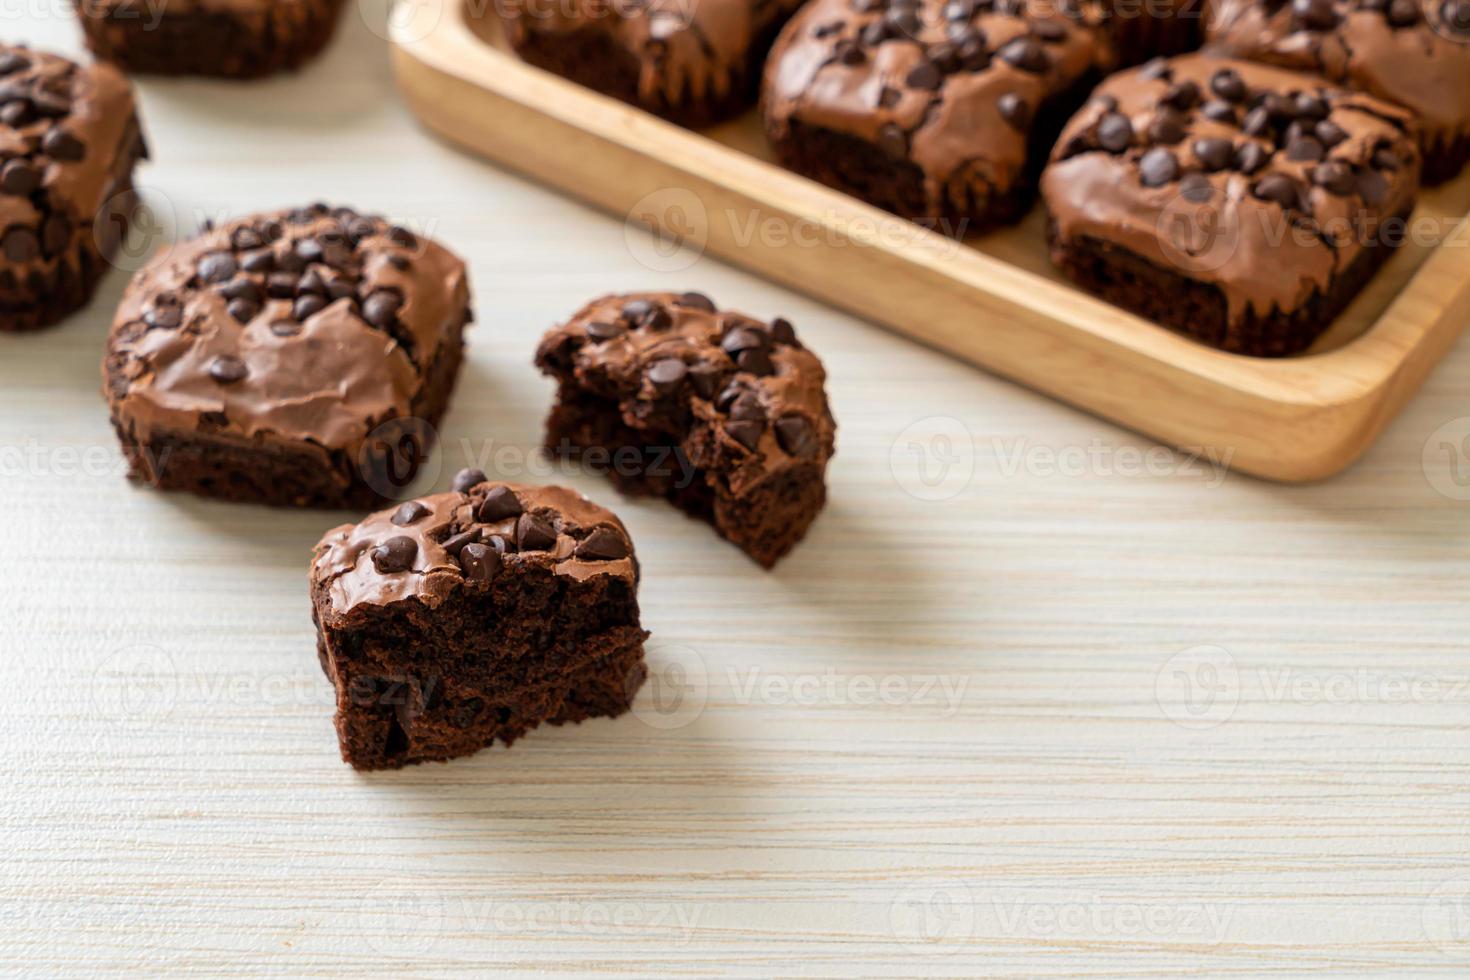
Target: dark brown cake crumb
pixel 470 617
pixel 722 414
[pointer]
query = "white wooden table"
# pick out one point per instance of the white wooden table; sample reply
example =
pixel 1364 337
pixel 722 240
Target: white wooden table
pixel 1035 697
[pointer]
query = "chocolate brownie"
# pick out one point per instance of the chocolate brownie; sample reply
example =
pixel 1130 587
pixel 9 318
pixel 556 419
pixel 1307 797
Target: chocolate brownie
pixel 220 38
pixel 723 415
pixel 941 111
pixel 1412 52
pixel 1241 204
pixel 693 63
pixel 299 358
pixel 69 139
pixel 470 617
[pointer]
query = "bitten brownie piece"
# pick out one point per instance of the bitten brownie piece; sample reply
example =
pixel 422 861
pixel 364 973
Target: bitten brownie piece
pixel 722 414
pixel 69 139
pixel 470 617
pixel 219 38
pixel 1240 204
pixel 941 111
pixel 1412 52
pixel 299 358
pixel 692 63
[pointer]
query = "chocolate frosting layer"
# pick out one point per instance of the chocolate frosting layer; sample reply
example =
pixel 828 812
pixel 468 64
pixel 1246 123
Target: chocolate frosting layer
pixel 1264 182
pixel 686 50
pixel 673 361
pixel 68 137
pixel 1412 52
pixel 946 84
pixel 427 549
pixel 311 326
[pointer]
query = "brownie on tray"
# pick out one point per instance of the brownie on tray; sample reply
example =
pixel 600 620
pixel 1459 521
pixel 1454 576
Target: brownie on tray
pixel 1412 52
pixel 469 617
pixel 221 38
pixel 298 358
pixel 1240 204
pixel 941 111
pixel 69 139
pixel 723 415
pixel 694 63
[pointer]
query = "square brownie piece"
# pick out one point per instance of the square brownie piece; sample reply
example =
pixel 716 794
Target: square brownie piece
pixel 940 111
pixel 1240 204
pixel 69 139
pixel 297 358
pixel 724 415
pixel 469 617
pixel 219 38
pixel 1415 53
pixel 691 63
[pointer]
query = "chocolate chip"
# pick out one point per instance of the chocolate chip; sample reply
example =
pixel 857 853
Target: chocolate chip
pixel 1385 159
pixel 747 433
pixel 666 374
pixel 1335 177
pixel 381 308
pixel 309 250
pixel 15 113
pixel 646 313
pixel 1456 15
pixel 467 478
pixel 1278 189
pixel 280 285
pixel 312 282
pixel 1220 111
pixel 399 235
pixel 1403 13
pixel 10 63
pixel 1214 153
pixel 243 310
pixel 499 504
pixel 217 267
pixel 1305 148
pixel 756 362
pixel 1183 95
pixel 739 339
pixel 1167 128
pixel 971 50
pixel 1158 69
pixel 892 141
pixel 706 378
pixel 1158 167
pixel 1310 105
pixel 697 301
pixel 1372 187
pixel 1330 133
pixel 227 369
pixel 747 407
pixel 1257 122
pixel 1026 54
pixel 602 331
pixel 241 287
pixel 1251 157
pixel 260 260
pixel 1313 15
pixel 924 76
pixel 888 97
pixel 455 543
pixel 55 233
pixel 20 244
pixel 285 328
pixel 479 563
pixel 534 534
pixel 1014 110
pixel 1228 85
pixel 796 436
pixel 409 513
pixel 849 53
pixel 308 306
pixel 395 555
pixel 164 317
pixel 19 177
pixel 1196 188
pixel 61 145
pixel 782 332
pixel 603 544
pixel 1114 132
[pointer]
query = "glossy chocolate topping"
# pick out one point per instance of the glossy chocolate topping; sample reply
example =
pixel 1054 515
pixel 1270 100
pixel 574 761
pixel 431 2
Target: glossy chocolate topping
pixel 1412 52
pixel 1264 182
pixel 427 549
pixel 687 50
pixel 68 134
pixel 313 325
pixel 672 360
pixel 946 84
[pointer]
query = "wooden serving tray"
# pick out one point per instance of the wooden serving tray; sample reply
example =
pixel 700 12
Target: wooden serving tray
pixel 993 300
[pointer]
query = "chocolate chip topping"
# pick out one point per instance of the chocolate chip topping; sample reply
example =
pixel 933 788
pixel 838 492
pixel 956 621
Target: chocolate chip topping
pixel 534 533
pixel 465 479
pixel 603 544
pixel 499 504
pixel 395 555
pixel 480 563
pixel 410 513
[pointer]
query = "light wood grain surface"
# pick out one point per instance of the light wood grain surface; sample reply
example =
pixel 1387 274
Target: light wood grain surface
pixel 1034 698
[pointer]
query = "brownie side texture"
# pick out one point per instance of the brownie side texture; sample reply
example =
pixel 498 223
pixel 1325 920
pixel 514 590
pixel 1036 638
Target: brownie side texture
pixel 298 358
pixel 723 415
pixel 69 140
pixel 1242 205
pixel 469 617
pixel 208 37
pixel 1415 53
